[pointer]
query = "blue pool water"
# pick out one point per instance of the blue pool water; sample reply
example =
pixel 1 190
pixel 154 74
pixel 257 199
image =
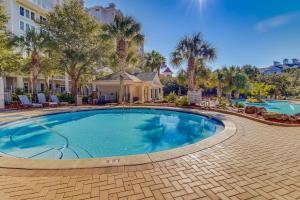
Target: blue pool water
pixel 104 133
pixel 284 107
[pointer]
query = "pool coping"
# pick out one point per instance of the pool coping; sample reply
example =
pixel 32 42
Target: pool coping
pixel 43 164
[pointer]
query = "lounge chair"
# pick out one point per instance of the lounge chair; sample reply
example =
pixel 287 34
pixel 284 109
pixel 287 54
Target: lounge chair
pixel 42 100
pixel 55 99
pixel 213 103
pixel 25 102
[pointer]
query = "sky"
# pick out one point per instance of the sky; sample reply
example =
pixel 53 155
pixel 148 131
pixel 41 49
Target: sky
pixel 253 32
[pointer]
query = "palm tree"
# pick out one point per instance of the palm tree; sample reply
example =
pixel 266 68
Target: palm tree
pixel 228 88
pixel 219 76
pixel 202 74
pixel 34 44
pixel 125 31
pixel 133 61
pixel 192 49
pixel 182 80
pixel 240 83
pixel 154 60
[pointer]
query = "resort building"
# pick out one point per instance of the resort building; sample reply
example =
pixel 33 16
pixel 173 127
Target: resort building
pixel 167 72
pixel 104 15
pixel 138 87
pixel 23 15
pixel 278 67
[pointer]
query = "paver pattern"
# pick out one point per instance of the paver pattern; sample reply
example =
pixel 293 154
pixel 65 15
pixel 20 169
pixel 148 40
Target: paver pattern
pixel 258 162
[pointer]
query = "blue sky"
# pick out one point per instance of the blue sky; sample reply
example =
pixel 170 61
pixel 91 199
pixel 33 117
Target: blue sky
pixel 243 31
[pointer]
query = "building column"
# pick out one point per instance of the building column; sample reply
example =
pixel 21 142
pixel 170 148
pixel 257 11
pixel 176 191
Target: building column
pixel 130 94
pixel 94 93
pixel 2 103
pixel 67 84
pixel 161 93
pixel 143 94
pixel 149 94
pixel 20 82
pixel 126 93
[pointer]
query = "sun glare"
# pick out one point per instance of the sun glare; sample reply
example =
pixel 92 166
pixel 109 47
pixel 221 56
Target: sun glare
pixel 196 5
pixel 201 4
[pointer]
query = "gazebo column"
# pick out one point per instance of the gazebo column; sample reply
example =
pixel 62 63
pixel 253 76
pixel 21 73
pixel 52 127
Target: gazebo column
pixel 130 94
pixel 94 93
pixel 142 94
pixel 149 94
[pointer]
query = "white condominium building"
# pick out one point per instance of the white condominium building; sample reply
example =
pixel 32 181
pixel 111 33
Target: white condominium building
pixel 104 15
pixel 23 15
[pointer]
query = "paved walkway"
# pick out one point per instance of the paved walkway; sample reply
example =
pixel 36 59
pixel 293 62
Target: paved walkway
pixel 259 162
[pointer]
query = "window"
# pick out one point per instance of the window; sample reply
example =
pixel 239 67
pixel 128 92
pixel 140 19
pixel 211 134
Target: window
pixel 26 87
pixel 21 11
pixel 42 19
pixel 27 13
pixel 33 28
pixel 22 25
pixel 27 27
pixel 32 16
pixel 42 87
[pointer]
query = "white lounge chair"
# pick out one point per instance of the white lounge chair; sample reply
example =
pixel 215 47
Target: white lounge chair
pixel 25 102
pixel 55 99
pixel 42 100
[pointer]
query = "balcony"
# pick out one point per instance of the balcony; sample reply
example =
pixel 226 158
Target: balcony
pixel 37 6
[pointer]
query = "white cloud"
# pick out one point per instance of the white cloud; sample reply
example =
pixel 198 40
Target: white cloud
pixel 277 21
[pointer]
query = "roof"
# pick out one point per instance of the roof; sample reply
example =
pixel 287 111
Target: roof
pixel 168 70
pixel 115 76
pixel 148 76
pixel 138 77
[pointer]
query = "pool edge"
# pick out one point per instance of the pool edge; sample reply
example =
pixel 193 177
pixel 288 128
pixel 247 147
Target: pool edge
pixel 228 132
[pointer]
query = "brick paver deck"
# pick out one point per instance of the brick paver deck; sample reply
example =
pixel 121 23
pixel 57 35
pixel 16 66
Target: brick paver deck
pixel 259 162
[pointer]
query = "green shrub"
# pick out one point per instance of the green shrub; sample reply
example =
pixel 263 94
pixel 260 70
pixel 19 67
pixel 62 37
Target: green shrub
pixel 222 102
pixel 239 105
pixel 65 97
pixel 171 98
pixel 254 100
pixel 183 101
pixel 18 91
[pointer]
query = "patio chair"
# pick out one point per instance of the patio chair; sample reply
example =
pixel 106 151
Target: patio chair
pixel 25 102
pixel 42 100
pixel 213 104
pixel 55 99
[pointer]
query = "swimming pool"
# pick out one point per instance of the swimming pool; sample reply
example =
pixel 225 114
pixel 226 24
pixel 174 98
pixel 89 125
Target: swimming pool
pixel 104 133
pixel 284 107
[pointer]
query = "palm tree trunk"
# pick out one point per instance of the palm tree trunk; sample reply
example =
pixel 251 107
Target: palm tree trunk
pixel 229 98
pixel 74 85
pixel 122 56
pixel 237 95
pixel 46 82
pixel 191 71
pixel 219 90
pixel 35 62
pixel 29 84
